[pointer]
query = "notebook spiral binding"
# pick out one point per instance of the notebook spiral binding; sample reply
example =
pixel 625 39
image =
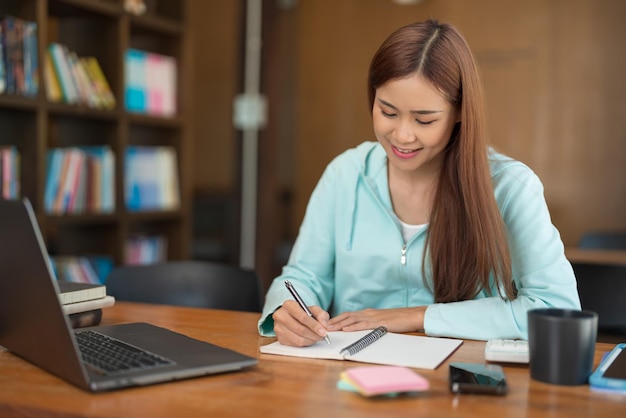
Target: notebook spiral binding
pixel 365 341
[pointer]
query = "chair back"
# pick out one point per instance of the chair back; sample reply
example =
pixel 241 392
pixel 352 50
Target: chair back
pixel 602 289
pixel 188 283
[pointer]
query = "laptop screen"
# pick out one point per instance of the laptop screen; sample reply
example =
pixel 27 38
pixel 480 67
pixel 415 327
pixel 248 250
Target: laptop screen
pixel 30 312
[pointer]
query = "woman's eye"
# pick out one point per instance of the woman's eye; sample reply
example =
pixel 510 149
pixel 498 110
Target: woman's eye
pixel 421 122
pixel 388 115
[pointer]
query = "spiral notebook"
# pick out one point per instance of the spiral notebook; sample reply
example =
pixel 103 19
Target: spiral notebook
pixel 374 346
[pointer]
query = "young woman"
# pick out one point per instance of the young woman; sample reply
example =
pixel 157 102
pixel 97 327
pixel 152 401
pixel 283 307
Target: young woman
pixel 428 228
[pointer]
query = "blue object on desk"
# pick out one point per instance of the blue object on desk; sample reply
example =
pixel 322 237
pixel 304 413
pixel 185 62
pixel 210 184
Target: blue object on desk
pixel 611 373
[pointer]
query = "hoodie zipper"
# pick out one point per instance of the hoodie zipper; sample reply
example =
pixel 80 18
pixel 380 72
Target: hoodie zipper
pixel 377 198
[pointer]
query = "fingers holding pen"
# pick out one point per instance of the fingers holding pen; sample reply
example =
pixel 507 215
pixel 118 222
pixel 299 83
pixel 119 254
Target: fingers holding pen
pixel 295 327
pixel 320 315
pixel 319 330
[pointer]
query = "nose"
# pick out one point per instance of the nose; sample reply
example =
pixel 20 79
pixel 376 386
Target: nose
pixel 405 131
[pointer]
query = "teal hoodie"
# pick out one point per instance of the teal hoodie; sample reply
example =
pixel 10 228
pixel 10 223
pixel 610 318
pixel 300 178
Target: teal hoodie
pixel 350 254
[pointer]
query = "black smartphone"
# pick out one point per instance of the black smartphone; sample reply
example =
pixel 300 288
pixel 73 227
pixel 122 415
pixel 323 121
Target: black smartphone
pixel 477 378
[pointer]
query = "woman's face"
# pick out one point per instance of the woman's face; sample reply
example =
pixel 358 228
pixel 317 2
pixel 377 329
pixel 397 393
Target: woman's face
pixel 413 122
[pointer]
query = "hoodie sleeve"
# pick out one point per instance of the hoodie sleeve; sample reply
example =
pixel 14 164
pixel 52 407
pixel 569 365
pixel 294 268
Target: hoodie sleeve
pixel 312 259
pixel 542 274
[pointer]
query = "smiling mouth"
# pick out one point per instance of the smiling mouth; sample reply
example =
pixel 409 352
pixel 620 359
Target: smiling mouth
pixel 404 153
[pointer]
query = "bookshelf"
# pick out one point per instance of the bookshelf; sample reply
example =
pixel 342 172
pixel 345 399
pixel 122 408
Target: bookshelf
pixel 35 125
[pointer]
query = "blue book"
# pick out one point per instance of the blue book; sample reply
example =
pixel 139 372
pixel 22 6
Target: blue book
pixel 58 54
pixel 2 57
pixel 31 61
pixel 135 94
pixel 143 188
pixel 9 43
pixel 102 265
pixel 54 162
pixel 14 184
pixel 108 181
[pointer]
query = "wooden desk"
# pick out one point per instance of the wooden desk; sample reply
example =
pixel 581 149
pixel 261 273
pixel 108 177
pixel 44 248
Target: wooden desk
pixel 281 386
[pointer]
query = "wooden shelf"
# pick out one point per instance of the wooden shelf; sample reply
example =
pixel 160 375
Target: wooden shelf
pixel 11 101
pixel 169 123
pixel 103 29
pixel 82 219
pixel 84 7
pixel 78 111
pixel 157 24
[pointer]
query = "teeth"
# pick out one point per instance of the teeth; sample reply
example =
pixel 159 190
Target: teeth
pixel 405 151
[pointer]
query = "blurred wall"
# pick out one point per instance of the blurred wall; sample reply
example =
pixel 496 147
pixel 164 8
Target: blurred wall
pixel 216 30
pixel 553 72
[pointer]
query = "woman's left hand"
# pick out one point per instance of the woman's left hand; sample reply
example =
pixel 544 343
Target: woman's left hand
pixel 395 320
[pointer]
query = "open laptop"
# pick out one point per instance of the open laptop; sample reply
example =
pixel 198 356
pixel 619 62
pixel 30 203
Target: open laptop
pixel 33 326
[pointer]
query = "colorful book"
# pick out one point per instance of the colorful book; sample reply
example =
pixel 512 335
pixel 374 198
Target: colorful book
pixel 51 81
pixel 18 56
pixel 151 178
pixel 12 52
pixel 150 83
pixel 142 249
pixel 108 181
pixel 160 84
pixel 82 84
pixel 54 165
pixel 75 80
pixel 61 65
pixel 31 59
pixel 167 161
pixel 99 81
pixel 135 95
pixel 92 269
pixel 69 177
pixel 98 189
pixel 2 59
pixel 9 172
pixel 80 179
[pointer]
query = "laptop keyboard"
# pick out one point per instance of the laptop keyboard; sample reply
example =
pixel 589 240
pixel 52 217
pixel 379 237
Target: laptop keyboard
pixel 108 355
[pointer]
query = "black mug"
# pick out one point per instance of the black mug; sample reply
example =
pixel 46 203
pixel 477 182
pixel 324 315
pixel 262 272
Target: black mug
pixel 561 345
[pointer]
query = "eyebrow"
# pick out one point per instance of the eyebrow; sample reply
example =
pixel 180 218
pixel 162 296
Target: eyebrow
pixel 419 112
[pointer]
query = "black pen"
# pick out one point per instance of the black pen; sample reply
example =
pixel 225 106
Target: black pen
pixel 298 299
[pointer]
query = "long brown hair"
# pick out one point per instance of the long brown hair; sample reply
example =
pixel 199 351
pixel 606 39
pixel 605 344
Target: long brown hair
pixel 466 241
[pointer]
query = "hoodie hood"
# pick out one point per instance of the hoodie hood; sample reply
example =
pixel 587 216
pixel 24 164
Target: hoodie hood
pixel 372 160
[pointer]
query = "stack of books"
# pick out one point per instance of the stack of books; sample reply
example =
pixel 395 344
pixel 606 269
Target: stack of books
pixel 87 269
pixel 150 84
pixel 151 178
pixel 83 302
pixel 80 180
pixel 75 80
pixel 144 249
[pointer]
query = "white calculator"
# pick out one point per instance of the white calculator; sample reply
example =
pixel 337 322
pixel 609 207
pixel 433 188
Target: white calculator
pixel 509 351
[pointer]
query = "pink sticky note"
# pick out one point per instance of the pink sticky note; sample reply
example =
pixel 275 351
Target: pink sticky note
pixel 377 380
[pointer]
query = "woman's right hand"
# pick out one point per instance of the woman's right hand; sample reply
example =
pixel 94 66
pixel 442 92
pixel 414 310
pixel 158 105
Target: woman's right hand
pixel 294 327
